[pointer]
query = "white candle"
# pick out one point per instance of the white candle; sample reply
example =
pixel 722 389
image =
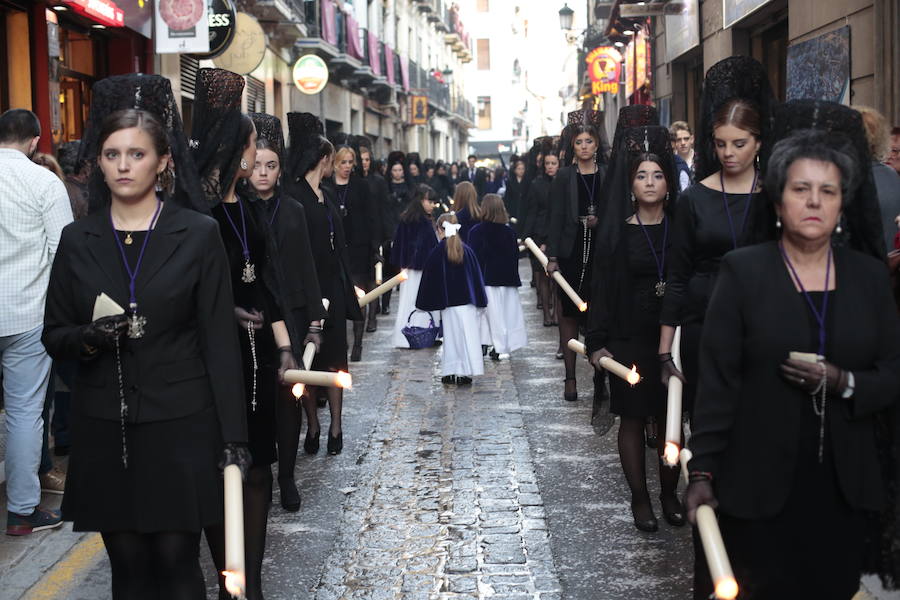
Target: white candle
pixel 379 268
pixel 513 220
pixel 341 379
pixel 384 288
pixel 673 406
pixel 685 456
pixel 616 368
pixel 557 276
pixel 726 587
pixel 309 352
pixel 235 574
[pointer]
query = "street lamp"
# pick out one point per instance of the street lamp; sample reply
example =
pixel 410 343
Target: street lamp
pixel 566 17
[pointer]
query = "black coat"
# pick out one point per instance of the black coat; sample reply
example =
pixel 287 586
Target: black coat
pixel 564 210
pixel 498 253
pixel 478 179
pixel 515 200
pixel 536 212
pixel 396 200
pixel 188 359
pixel 744 429
pixel 361 221
pixel 378 191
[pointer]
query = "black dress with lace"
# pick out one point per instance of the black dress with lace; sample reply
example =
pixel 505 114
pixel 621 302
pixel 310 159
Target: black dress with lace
pixel 579 265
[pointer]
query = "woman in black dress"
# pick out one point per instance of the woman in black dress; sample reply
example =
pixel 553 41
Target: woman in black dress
pixel 311 157
pixel 400 191
pixel 296 282
pixel 796 451
pixel 378 190
pixel 536 226
pixel 516 194
pixel 351 194
pixel 158 397
pixel 724 210
pixel 629 285
pixel 225 153
pixel 575 203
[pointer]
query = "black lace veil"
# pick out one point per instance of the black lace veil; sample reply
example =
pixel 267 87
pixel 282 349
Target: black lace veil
pixel 268 127
pixel 584 117
pixel 305 132
pixel 216 141
pixel 152 93
pixel 734 77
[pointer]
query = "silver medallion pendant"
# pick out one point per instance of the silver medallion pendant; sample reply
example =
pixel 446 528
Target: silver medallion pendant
pixel 248 275
pixel 136 324
pixel 660 289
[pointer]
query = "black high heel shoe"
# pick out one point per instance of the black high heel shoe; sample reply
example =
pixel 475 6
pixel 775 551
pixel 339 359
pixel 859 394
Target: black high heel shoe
pixel 335 444
pixel 311 443
pixel 290 496
pixel 649 525
pixel 673 511
pixel 570 396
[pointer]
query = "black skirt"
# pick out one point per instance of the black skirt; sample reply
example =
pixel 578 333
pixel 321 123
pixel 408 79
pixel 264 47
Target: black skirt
pixel 332 355
pixel 261 429
pixel 577 274
pixel 648 398
pixel 361 265
pixel 172 482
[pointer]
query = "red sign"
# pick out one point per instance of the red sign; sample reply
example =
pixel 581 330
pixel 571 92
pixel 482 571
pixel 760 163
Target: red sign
pixel 105 12
pixel 604 68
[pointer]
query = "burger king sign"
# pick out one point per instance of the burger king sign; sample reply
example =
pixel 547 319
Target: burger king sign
pixel 310 74
pixel 604 68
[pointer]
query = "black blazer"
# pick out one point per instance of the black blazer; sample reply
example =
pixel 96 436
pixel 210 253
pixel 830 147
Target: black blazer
pixel 479 179
pixel 189 357
pixel 746 415
pixel 537 210
pixel 564 210
pixel 361 225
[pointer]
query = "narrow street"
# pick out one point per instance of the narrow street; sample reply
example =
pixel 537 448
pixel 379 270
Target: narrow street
pixel 499 490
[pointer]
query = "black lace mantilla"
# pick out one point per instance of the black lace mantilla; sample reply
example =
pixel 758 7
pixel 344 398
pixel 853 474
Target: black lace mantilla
pixel 152 93
pixel 215 135
pixel 734 77
pixel 305 131
pixel 268 127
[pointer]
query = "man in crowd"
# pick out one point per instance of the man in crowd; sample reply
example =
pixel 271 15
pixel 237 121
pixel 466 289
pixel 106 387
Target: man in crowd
pixel 683 144
pixel 34 208
pixel 474 175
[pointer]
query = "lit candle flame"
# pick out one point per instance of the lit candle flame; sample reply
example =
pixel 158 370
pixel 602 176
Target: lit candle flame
pixel 344 380
pixel 727 589
pixel 634 377
pixel 298 390
pixel 583 307
pixel 234 584
pixel 359 292
pixel 671 453
pixel 404 275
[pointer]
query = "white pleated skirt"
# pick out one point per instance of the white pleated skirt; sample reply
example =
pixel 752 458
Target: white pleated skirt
pixel 505 320
pixel 461 350
pixel 409 291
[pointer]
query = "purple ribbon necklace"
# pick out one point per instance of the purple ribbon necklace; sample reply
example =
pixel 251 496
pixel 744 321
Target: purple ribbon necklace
pixel 746 205
pixel 248 275
pixel 660 286
pixel 136 323
pixel 275 210
pixel 820 315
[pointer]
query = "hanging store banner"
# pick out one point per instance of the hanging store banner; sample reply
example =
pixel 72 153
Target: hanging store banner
pixel 418 110
pixel 222 22
pixel 104 12
pixel 181 26
pixel 248 48
pixel 735 10
pixel 683 30
pixel 604 69
pixel 310 74
pixel 636 64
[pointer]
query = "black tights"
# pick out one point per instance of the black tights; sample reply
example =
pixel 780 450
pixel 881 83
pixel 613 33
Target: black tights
pixel 632 454
pixel 257 498
pixel 290 418
pixel 335 405
pixel 153 566
pixel 568 330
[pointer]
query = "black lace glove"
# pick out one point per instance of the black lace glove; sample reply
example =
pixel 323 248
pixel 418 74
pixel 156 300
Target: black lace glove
pixel 808 376
pixel 699 492
pixel 236 454
pixel 287 361
pixel 668 369
pixel 102 333
pixel 315 338
pixel 596 355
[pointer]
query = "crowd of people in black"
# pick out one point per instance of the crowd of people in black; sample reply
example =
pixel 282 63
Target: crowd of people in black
pixel 762 242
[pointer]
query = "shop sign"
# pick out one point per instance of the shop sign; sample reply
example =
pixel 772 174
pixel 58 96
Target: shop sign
pixel 310 74
pixel 181 26
pixel 735 10
pixel 604 69
pixel 418 110
pixel 105 12
pixel 636 64
pixel 248 48
pixel 222 22
pixel 683 30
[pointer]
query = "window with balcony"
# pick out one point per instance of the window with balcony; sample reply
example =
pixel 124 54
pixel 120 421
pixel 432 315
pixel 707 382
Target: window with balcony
pixel 484 54
pixel 484 112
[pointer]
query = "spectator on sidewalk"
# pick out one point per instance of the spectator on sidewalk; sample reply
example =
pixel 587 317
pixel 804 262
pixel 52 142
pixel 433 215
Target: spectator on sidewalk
pixel 34 208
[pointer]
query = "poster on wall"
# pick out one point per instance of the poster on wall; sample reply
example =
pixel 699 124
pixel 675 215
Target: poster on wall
pixel 683 30
pixel 735 10
pixel 820 68
pixel 181 26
